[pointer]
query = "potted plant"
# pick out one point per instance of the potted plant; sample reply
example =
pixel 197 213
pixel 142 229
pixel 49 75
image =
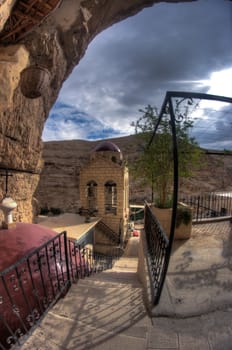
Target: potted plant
pixel 183 220
pixel 156 157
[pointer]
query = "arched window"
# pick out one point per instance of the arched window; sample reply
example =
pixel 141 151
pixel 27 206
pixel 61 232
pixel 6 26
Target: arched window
pixel 110 197
pixel 91 194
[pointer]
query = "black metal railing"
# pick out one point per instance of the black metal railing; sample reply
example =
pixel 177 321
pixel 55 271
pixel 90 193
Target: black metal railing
pixel 158 250
pixel 111 234
pixel 169 122
pixel 207 206
pixel 34 284
pixel 136 213
pixel 30 287
pixel 83 261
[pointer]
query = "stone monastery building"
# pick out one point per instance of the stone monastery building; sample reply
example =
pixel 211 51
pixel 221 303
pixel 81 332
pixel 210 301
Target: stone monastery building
pixel 104 189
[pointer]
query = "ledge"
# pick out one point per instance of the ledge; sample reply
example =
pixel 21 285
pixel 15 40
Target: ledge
pixel 73 224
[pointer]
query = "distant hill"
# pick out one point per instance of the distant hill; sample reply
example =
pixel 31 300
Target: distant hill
pixel 59 183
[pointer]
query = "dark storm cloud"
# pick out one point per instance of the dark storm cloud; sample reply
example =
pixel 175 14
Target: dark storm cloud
pixel 212 127
pixel 133 63
pixel 169 42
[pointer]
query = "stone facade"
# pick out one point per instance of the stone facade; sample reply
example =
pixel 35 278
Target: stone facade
pixel 104 186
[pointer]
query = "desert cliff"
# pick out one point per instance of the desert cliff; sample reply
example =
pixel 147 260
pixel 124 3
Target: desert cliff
pixel 59 182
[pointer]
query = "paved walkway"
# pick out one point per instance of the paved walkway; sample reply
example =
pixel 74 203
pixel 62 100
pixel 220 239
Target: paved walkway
pixel 106 311
pixel 199 277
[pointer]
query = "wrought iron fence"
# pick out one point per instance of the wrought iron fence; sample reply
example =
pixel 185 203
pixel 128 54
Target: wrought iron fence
pixel 30 287
pixel 83 261
pixel 158 251
pixel 33 285
pixel 111 234
pixel 172 117
pixel 136 213
pixel 210 205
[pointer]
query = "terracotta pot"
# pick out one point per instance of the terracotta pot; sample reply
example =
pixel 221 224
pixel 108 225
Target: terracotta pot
pixel 34 81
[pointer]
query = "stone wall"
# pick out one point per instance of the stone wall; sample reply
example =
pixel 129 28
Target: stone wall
pixel 143 273
pixel 21 188
pixel 101 169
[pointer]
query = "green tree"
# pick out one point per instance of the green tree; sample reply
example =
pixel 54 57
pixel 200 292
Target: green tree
pixel 155 163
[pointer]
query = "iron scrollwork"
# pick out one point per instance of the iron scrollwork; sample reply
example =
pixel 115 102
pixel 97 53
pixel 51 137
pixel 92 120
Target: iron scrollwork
pixel 33 318
pixel 13 339
pixel 32 285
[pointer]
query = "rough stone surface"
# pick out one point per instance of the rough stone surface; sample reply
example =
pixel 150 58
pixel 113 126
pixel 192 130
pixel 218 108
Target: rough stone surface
pixel 199 277
pixel 13 60
pixel 6 7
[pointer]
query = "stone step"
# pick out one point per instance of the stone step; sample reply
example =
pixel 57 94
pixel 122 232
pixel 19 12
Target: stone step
pixel 113 278
pixel 111 285
pixel 104 311
pixel 58 333
pixel 107 308
pixel 98 310
pixel 108 249
pixel 126 263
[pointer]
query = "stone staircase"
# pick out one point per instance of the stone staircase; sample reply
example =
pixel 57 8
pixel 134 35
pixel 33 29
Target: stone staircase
pixel 104 311
pixel 107 241
pixel 108 232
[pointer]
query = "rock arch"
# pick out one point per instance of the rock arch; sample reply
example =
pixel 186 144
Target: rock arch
pixel 58 43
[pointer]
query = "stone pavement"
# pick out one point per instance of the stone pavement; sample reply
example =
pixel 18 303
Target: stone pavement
pixel 199 277
pixel 107 312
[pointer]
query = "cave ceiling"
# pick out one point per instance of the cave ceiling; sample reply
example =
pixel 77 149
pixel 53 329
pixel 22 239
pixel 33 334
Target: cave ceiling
pixel 44 41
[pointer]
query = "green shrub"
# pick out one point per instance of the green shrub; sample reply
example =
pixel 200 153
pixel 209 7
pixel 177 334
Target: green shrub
pixel 184 215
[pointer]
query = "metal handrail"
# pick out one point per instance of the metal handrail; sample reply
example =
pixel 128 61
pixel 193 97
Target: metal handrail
pixel 31 286
pixel 207 206
pixel 24 258
pixel 111 234
pixel 157 253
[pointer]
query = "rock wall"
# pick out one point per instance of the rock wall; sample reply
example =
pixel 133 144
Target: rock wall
pixel 5 10
pixel 58 44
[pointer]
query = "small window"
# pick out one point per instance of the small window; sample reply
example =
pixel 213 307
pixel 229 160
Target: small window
pixel 110 198
pixel 91 194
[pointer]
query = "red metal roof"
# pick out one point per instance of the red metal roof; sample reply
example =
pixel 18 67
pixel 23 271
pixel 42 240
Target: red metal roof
pixel 106 146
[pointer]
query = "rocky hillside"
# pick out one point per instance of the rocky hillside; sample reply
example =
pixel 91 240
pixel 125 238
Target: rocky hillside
pixel 59 182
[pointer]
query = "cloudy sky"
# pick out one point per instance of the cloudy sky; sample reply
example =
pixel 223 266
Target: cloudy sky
pixel 184 47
